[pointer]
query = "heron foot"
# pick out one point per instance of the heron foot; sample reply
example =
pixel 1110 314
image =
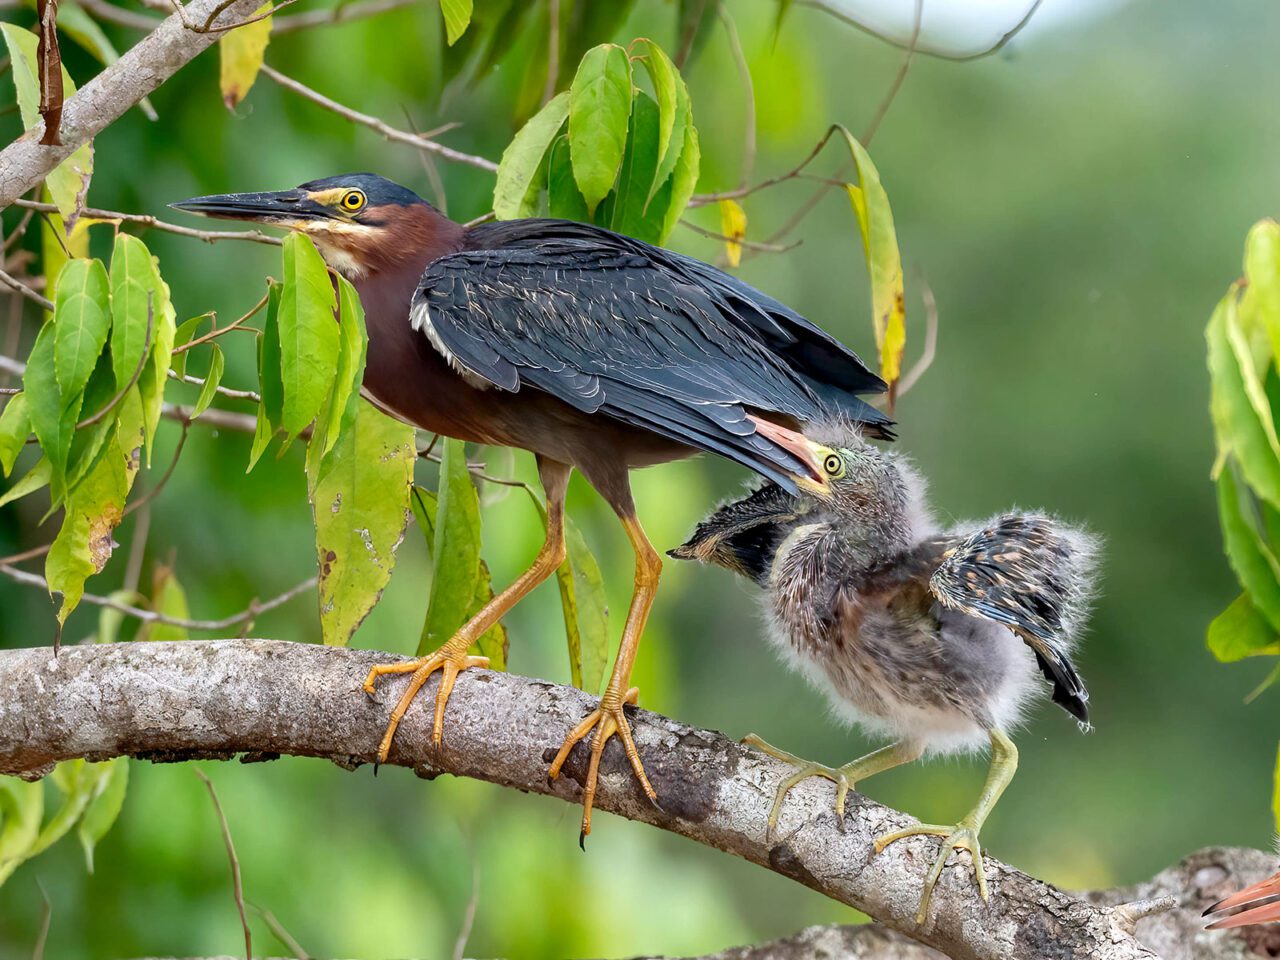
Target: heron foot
pixel 451 659
pixel 961 836
pixel 607 719
pixel 845 778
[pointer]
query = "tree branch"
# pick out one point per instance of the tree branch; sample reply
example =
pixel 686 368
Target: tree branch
pixel 215 699
pixel 143 68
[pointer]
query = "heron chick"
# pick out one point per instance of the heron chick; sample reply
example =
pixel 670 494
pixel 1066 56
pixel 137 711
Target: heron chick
pixel 926 635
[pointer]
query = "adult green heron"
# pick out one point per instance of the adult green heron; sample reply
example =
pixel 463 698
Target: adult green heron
pixel 920 634
pixel 593 350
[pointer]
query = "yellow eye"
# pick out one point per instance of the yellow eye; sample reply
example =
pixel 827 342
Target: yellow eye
pixel 352 201
pixel 833 465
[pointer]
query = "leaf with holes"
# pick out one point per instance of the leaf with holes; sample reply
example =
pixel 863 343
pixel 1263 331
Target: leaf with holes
pixel 516 192
pixel 360 502
pixel 240 53
pixel 599 108
pixel 308 334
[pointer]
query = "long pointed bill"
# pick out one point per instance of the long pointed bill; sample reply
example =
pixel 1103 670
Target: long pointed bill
pixel 800 447
pixel 1264 912
pixel 285 208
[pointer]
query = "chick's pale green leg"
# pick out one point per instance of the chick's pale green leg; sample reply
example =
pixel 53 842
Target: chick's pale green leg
pixel 964 835
pixel 452 658
pixel 845 778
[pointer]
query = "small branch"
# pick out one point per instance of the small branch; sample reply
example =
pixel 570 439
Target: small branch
pixel 237 324
pixel 342 13
pixel 101 101
pixel 743 242
pixel 744 77
pixel 146 220
pixel 17 286
pixel 373 123
pixel 237 886
pixel 214 699
pixel 222 391
pixel 898 79
pixel 928 51
pixel 930 341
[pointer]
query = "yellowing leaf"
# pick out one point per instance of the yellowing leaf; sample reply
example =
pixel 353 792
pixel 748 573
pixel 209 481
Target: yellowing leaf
pixel 360 502
pixel 515 194
pixel 240 53
pixel 884 262
pixel 457 16
pixel 68 181
pixel 733 224
pixel 599 106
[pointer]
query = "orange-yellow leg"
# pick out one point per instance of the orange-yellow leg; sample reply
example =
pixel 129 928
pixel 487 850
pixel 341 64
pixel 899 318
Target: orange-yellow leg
pixel 608 718
pixel 452 657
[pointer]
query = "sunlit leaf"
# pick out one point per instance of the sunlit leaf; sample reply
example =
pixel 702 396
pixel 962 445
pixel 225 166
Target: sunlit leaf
pixel 212 380
pixel 37 478
pixel 673 111
pixel 240 53
pixel 82 320
pixel 137 291
pixel 599 107
pixel 1262 271
pixel 586 612
pixel 56 243
pixel 360 502
pixel 457 16
pixel 104 806
pixel 308 334
pixel 733 224
pixel 69 180
pixel 456 550
pixel 516 192
pixel 884 262
pixel 1241 631
pixel 1239 430
pixel 169 599
pixel 1251 378
pixel 184 334
pixel 15 428
pixel 352 341
pixel 684 179
pixel 53 418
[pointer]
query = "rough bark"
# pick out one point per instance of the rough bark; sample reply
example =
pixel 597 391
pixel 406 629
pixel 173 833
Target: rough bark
pixel 148 64
pixel 259 698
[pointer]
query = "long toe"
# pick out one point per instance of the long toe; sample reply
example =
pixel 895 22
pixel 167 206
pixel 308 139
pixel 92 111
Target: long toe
pixel 450 661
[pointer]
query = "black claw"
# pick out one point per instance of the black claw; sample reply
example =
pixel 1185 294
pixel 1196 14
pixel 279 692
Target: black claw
pixel 582 840
pixel 376 764
pixel 656 805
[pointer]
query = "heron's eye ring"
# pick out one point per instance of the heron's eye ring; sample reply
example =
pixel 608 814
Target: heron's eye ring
pixel 833 466
pixel 352 201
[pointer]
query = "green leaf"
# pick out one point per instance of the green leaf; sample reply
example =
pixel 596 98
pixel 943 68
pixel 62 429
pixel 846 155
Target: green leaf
pixel 516 192
pixel 1262 270
pixel 185 333
pixel 82 319
pixel 57 244
pixel 53 419
pixel 1250 378
pixel 76 780
pixel 457 16
pixel 37 478
pixel 104 806
pixel 599 106
pixel 1253 561
pixel 21 810
pixel 563 196
pixel 1241 631
pixel 352 343
pixel 684 179
pixel 1235 418
pixel 15 427
pixel 456 550
pixel 212 380
pixel 170 599
pixel 884 262
pixel 360 501
pixel 625 210
pixel 586 612
pixel 674 112
pixel 308 334
pixel 270 385
pixel 240 53
pixel 89 443
pixel 68 181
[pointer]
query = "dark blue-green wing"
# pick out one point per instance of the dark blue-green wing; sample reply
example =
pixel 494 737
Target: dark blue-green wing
pixel 613 326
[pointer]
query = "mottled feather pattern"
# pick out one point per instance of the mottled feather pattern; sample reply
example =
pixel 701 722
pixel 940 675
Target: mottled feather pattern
pixel 611 325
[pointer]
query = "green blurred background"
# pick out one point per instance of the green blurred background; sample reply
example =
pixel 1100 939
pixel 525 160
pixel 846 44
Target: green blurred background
pixel 1077 204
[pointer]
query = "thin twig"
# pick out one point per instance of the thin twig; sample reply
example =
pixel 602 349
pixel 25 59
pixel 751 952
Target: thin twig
pixel 746 244
pixel 468 915
pixel 137 551
pixel 898 79
pixel 928 51
pixel 153 616
pixel 237 887
pixel 380 126
pixel 222 391
pixel 342 13
pixel 19 287
pixel 280 933
pixel 744 76
pixel 102 10
pixel 146 220
pixel 46 919
pixel 237 324
pixel 702 199
pixel 930 341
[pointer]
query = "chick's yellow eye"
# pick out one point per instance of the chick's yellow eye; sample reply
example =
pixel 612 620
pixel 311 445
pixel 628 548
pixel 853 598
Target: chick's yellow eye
pixel 352 201
pixel 833 466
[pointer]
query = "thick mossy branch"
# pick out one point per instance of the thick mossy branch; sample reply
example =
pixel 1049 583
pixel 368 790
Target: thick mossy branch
pixel 220 698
